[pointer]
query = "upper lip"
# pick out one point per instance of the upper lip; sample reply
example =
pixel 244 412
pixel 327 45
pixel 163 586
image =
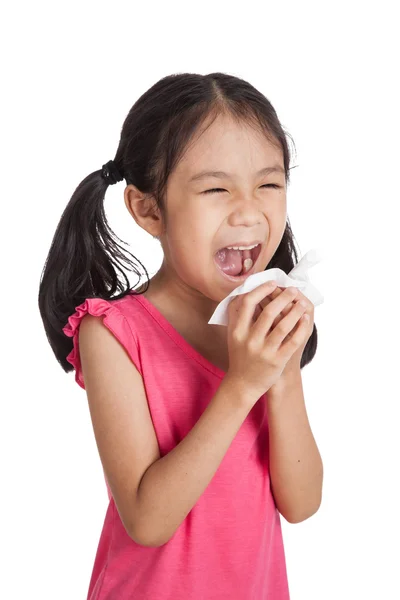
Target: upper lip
pixel 255 243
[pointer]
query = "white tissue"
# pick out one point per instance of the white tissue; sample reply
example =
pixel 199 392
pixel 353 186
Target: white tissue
pixel 298 277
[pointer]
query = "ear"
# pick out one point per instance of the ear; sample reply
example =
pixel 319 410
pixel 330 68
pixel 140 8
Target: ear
pixel 144 209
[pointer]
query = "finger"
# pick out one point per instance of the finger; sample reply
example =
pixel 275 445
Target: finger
pixel 285 326
pixel 244 306
pixel 297 335
pixel 257 313
pixel 271 311
pixel 289 307
pixel 295 328
pixel 265 301
pixel 285 311
pixel 275 294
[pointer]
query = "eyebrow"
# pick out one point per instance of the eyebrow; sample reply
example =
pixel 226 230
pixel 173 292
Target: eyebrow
pixel 222 174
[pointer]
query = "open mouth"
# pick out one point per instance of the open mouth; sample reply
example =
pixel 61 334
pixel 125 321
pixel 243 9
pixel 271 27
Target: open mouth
pixel 235 264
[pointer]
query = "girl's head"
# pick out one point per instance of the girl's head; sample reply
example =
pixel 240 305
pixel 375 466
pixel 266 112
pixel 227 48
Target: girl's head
pixel 199 216
pixel 183 125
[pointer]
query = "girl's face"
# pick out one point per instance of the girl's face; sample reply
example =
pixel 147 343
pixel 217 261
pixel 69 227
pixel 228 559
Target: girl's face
pixel 244 208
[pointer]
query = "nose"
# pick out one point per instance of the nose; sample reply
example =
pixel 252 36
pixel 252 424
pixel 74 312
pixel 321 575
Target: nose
pixel 246 211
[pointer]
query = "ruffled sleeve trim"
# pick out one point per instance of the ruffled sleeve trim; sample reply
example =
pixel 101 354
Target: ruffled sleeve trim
pixel 113 319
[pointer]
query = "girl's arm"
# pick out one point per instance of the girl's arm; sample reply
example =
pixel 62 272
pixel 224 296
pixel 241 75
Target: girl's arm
pixel 295 464
pixel 153 494
pixel 173 484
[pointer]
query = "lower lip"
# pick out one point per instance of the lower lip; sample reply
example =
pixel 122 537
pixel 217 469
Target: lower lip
pixel 240 278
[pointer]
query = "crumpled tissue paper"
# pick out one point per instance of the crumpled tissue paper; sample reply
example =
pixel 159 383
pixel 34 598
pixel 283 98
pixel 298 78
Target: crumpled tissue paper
pixel 298 277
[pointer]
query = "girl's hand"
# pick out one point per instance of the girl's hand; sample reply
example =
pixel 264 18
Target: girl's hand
pixel 258 351
pixel 294 362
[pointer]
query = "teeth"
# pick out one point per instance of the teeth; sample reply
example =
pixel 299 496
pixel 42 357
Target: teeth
pixel 242 247
pixel 247 264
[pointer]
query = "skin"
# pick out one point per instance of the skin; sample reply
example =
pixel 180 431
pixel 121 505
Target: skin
pixel 188 281
pixel 189 286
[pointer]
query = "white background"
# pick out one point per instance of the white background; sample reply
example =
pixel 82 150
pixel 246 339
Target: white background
pixel 70 74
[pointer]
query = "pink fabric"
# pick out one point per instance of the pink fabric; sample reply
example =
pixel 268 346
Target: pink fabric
pixel 230 545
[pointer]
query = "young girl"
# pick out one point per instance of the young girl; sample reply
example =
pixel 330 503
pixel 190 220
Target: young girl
pixel 201 429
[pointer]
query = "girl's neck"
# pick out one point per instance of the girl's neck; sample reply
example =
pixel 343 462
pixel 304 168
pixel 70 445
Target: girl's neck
pixel 180 312
pixel 166 291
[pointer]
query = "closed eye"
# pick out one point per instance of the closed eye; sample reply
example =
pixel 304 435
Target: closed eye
pixel 215 190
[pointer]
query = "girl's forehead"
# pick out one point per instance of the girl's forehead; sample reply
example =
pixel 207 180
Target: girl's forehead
pixel 224 156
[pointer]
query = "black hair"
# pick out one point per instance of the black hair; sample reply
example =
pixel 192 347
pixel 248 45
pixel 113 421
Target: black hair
pixel 84 256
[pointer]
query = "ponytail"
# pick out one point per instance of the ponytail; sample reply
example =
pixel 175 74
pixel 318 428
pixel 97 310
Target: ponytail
pixel 83 260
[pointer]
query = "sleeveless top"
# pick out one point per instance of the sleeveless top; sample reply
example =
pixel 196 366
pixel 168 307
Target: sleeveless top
pixel 230 546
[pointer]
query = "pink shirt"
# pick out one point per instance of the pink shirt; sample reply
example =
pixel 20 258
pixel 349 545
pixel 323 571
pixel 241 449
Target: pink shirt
pixel 230 545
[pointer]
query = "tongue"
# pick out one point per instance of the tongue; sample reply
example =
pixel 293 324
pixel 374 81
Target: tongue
pixel 230 261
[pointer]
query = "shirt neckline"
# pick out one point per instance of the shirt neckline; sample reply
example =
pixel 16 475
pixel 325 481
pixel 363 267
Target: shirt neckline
pixel 177 337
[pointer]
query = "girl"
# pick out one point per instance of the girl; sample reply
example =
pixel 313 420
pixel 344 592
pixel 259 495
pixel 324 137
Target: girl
pixel 201 430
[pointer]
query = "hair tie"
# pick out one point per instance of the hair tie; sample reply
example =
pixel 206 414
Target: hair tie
pixel 110 173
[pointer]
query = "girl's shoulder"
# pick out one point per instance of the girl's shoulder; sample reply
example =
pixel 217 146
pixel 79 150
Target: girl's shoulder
pixel 111 310
pixel 113 313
